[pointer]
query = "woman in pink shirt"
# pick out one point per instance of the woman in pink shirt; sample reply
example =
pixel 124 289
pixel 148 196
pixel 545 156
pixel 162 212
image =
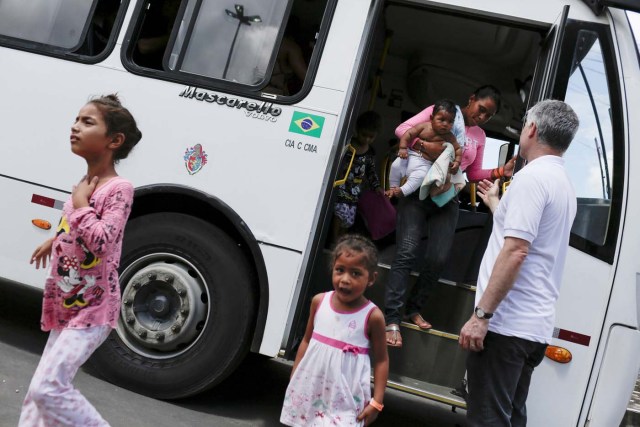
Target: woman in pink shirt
pixel 418 218
pixel 81 298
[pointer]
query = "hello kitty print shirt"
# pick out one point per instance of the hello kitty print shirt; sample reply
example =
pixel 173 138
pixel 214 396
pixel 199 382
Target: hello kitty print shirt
pixel 82 288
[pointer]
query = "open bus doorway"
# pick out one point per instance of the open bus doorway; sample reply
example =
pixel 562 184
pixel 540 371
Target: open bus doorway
pixel 419 55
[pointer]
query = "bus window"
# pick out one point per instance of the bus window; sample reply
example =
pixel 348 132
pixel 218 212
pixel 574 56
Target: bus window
pixel 74 28
pixel 100 28
pixel 155 31
pixel 260 44
pixel 56 23
pixel 234 44
pixel 589 160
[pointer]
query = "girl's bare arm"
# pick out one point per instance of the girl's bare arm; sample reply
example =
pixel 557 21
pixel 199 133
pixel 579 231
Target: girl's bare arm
pixel 42 253
pixel 380 359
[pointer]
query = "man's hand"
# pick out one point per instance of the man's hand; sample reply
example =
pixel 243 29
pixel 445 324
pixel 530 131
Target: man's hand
pixel 488 192
pixel 82 192
pixel 403 153
pixel 473 333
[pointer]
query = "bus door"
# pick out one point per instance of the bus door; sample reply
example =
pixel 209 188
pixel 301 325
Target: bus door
pixel 579 64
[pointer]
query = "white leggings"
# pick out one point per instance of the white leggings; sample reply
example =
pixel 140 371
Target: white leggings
pixel 51 399
pixel 415 168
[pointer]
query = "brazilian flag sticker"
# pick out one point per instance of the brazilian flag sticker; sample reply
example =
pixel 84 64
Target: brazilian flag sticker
pixel 306 124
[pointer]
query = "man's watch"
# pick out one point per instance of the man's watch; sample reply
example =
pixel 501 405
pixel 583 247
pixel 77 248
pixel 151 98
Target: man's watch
pixel 481 314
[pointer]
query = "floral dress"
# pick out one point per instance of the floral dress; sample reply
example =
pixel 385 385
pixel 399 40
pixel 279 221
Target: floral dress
pixel 332 383
pixel 364 167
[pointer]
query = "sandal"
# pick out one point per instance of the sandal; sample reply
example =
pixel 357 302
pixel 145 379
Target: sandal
pixel 394 339
pixel 419 321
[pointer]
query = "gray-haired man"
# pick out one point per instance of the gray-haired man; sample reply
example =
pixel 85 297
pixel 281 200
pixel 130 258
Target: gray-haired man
pixel 520 274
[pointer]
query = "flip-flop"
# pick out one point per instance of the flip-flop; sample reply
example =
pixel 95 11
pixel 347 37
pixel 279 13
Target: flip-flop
pixel 419 321
pixel 395 334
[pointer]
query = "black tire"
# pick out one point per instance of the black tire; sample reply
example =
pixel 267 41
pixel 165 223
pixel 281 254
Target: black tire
pixel 172 262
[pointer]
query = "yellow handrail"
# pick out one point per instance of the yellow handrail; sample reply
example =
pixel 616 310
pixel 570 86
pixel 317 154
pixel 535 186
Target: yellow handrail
pixel 378 77
pixel 384 172
pixel 505 185
pixel 346 175
pixel 472 196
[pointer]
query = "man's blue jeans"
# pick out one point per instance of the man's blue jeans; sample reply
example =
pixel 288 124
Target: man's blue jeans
pixel 417 219
pixel 498 378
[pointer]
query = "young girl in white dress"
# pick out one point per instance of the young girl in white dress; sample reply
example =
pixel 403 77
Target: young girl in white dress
pixel 331 379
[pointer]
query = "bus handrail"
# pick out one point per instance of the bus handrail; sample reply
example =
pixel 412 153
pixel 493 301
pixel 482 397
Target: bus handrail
pixel 346 175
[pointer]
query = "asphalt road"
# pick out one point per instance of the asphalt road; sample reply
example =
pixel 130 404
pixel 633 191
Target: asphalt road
pixel 250 397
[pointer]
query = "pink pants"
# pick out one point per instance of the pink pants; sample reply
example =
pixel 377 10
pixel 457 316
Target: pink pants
pixel 51 399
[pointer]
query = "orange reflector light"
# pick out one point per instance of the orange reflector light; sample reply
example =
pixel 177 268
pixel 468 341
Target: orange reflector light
pixel 41 223
pixel 558 354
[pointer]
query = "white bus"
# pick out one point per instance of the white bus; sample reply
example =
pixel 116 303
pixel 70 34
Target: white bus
pixel 226 241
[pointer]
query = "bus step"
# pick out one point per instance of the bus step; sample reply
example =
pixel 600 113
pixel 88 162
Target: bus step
pixel 435 392
pixel 430 357
pixel 448 308
pixel 632 416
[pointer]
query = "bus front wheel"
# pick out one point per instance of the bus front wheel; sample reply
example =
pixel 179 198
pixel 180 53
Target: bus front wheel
pixel 187 308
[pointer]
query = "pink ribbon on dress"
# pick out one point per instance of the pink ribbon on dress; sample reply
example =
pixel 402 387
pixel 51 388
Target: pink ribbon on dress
pixel 351 349
pixel 345 347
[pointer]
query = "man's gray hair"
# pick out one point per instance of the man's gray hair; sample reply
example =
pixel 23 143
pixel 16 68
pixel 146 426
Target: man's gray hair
pixel 556 122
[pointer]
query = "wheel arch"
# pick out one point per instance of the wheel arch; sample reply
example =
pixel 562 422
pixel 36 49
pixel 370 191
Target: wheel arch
pixel 157 198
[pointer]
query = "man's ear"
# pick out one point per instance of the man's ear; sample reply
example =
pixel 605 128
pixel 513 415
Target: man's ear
pixel 117 140
pixel 533 130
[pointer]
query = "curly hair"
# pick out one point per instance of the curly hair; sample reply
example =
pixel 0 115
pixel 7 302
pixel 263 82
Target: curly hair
pixel 359 244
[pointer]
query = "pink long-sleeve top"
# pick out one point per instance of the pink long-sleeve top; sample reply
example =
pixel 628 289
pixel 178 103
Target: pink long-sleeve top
pixel 82 289
pixel 473 147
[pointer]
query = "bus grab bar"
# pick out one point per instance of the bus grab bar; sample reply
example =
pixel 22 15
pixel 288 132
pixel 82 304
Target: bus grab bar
pixel 346 175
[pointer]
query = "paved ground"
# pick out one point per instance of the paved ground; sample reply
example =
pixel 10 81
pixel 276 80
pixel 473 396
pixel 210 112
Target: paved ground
pixel 251 397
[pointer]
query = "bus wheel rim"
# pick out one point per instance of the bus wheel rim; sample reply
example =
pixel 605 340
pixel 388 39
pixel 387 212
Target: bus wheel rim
pixel 165 305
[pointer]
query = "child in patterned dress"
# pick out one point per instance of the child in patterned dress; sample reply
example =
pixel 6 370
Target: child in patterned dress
pixel 331 379
pixel 81 298
pixel 361 158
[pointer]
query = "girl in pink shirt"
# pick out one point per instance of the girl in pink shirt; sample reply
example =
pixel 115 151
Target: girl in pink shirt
pixel 82 293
